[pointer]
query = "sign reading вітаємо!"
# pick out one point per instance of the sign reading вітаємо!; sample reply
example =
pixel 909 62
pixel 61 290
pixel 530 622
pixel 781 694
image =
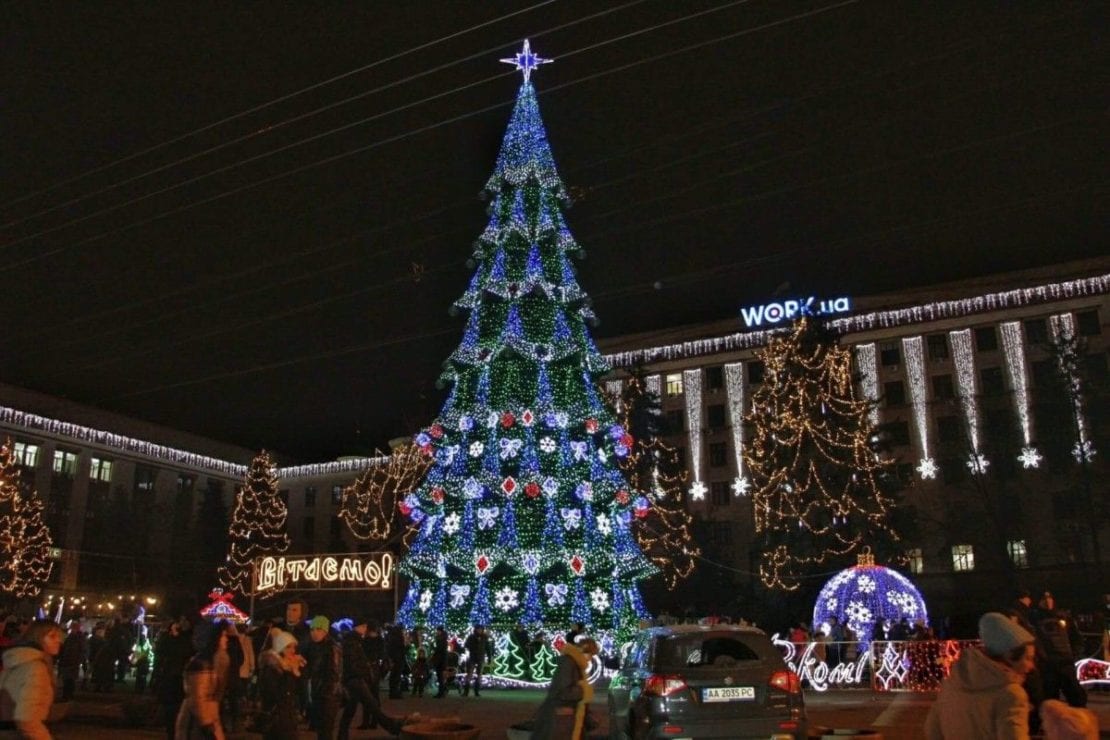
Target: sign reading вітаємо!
pixel 772 313
pixel 372 570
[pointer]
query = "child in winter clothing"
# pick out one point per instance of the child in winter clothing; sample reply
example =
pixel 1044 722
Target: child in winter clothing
pixel 27 681
pixel 419 672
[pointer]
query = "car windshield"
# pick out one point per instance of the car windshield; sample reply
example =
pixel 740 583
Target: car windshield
pixel 701 651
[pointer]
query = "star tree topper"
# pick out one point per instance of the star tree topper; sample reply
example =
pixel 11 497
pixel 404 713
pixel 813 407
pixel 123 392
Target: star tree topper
pixel 526 61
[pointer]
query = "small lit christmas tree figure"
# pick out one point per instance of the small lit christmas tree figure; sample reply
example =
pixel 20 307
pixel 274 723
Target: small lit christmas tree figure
pixel 257 525
pixel 544 663
pixel 524 515
pixel 25 540
pixel 652 466
pixel 509 662
pixel 816 491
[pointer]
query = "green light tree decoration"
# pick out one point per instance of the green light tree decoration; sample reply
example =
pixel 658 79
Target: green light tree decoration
pixel 25 540
pixel 816 495
pixel 524 515
pixel 544 663
pixel 258 524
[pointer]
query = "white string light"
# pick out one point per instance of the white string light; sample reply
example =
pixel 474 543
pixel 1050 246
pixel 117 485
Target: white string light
pixel 1062 326
pixel 868 364
pixel 654 384
pixel 691 386
pixel 1013 347
pixel 967 387
pixel 735 388
pixel 914 354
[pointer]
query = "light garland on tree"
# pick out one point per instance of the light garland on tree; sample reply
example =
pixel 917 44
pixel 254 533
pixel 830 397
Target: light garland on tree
pixel 914 354
pixel 524 510
pixel 816 495
pixel 691 387
pixel 1013 349
pixel 1062 327
pixel 967 388
pixel 25 540
pixel 735 387
pixel 257 527
pixel 369 505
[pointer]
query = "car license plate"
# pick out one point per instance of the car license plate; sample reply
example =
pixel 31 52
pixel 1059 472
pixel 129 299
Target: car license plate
pixel 729 693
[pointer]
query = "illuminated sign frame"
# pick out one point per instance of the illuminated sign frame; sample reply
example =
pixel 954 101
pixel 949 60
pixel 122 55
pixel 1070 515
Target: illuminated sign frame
pixel 351 571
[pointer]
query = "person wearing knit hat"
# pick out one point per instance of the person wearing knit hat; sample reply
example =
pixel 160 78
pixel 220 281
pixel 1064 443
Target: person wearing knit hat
pixel 982 696
pixel 325 677
pixel 319 622
pixel 279 669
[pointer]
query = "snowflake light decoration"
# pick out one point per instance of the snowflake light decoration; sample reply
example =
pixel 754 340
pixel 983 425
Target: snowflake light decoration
pixel 741 486
pixel 698 491
pixel 1030 458
pixel 862 595
pixel 451 523
pixel 599 598
pixel 604 525
pixel 506 599
pixel 927 468
pixel 1083 451
pixel 425 600
pixel 978 463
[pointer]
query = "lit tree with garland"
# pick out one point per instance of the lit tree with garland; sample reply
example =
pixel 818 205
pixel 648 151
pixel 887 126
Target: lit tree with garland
pixel 369 505
pixel 816 495
pixel 653 466
pixel 524 515
pixel 257 524
pixel 25 539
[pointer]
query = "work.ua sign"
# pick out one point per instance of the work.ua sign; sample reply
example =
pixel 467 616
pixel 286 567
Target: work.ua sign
pixel 772 313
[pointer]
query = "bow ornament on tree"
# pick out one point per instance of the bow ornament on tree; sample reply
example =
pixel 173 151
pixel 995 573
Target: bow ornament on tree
pixel 510 447
pixel 486 517
pixel 572 518
pixel 459 592
pixel 580 450
pixel 556 593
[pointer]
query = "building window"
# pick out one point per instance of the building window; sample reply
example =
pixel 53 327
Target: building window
pixel 905 473
pixel 1087 323
pixel 894 392
pixel 336 533
pixel 963 558
pixel 720 493
pixel 889 355
pixel 144 479
pixel 185 483
pixel 953 470
pixel 986 339
pixel 309 497
pixel 676 421
pixel 1095 366
pixel 1019 556
pixel 938 346
pixel 721 533
pixel 715 378
pixel 101 470
pixel 28 455
pixel 991 382
pixel 943 389
pixel 715 416
pixel 674 384
pixel 336 495
pixel 1036 331
pixel 308 528
pixel 899 432
pixel 755 372
pixel 916 560
pixel 948 429
pixel 65 463
pixel 718 454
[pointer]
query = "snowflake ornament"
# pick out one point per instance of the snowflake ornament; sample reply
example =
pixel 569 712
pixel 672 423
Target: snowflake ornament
pixel 1030 458
pixel 599 599
pixel 857 612
pixel 477 448
pixel 451 523
pixel 978 463
pixel 865 584
pixel 927 468
pixel 604 525
pixel 698 491
pixel 506 599
pixel 425 600
pixel 741 486
pixel 547 445
pixel 1083 451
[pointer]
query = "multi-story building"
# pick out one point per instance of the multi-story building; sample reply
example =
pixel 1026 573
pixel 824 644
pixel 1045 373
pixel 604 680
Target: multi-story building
pixel 963 375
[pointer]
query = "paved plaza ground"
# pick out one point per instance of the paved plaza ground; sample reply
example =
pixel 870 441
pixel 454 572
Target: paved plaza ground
pixel 900 716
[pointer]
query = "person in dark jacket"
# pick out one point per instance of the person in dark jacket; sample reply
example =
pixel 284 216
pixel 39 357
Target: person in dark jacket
pixel 374 645
pixel 1022 612
pixel 171 652
pixel 564 712
pixel 279 671
pixel 439 660
pixel 478 654
pixel 1051 629
pixel 325 677
pixel 357 673
pixel 102 660
pixel 71 658
pixel 395 653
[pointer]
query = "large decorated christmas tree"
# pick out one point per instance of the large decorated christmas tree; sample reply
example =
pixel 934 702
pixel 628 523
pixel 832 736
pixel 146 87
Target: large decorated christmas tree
pixel 258 525
pixel 524 515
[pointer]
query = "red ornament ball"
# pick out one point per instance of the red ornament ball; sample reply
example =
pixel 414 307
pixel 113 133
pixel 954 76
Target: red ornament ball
pixel 507 419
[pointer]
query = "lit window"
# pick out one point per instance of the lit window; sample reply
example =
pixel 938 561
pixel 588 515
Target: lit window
pixel 101 470
pixel 916 560
pixel 26 454
pixel 1019 556
pixel 65 463
pixel 674 384
pixel 963 558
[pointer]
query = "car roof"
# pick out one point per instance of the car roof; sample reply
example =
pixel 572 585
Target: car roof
pixel 688 629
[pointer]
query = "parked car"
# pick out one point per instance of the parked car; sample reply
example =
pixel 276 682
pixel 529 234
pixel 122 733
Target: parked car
pixel 693 681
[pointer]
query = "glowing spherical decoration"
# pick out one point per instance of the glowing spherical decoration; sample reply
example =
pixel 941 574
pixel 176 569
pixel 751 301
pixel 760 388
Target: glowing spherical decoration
pixel 862 595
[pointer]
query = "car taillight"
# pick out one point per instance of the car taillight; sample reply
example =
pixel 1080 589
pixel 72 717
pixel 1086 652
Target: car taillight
pixel 664 685
pixel 787 681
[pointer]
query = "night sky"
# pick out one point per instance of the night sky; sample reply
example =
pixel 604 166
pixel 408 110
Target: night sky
pixel 191 237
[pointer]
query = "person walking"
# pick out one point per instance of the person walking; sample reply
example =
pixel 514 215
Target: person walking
pixel 439 660
pixel 373 644
pixel 279 672
pixel 171 653
pixel 982 698
pixel 1054 639
pixel 357 673
pixel 478 653
pixel 564 712
pixel 325 678
pixel 205 685
pixel 71 658
pixel 142 653
pixel 27 680
pixel 395 654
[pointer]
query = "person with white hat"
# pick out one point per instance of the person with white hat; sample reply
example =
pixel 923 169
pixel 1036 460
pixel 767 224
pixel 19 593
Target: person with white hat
pixel 982 698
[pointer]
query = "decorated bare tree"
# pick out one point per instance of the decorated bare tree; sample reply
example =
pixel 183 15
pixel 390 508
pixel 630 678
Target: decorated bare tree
pixel 25 541
pixel 258 525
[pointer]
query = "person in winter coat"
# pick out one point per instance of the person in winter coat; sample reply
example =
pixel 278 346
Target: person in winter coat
pixel 325 677
pixel 27 681
pixel 395 653
pixel 439 660
pixel 102 661
pixel 171 653
pixel 357 673
pixel 142 653
pixel 279 673
pixel 71 658
pixel 1052 629
pixel 199 716
pixel 564 713
pixel 478 653
pixel 982 697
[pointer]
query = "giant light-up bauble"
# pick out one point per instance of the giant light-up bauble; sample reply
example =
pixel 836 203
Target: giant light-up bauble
pixel 862 595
